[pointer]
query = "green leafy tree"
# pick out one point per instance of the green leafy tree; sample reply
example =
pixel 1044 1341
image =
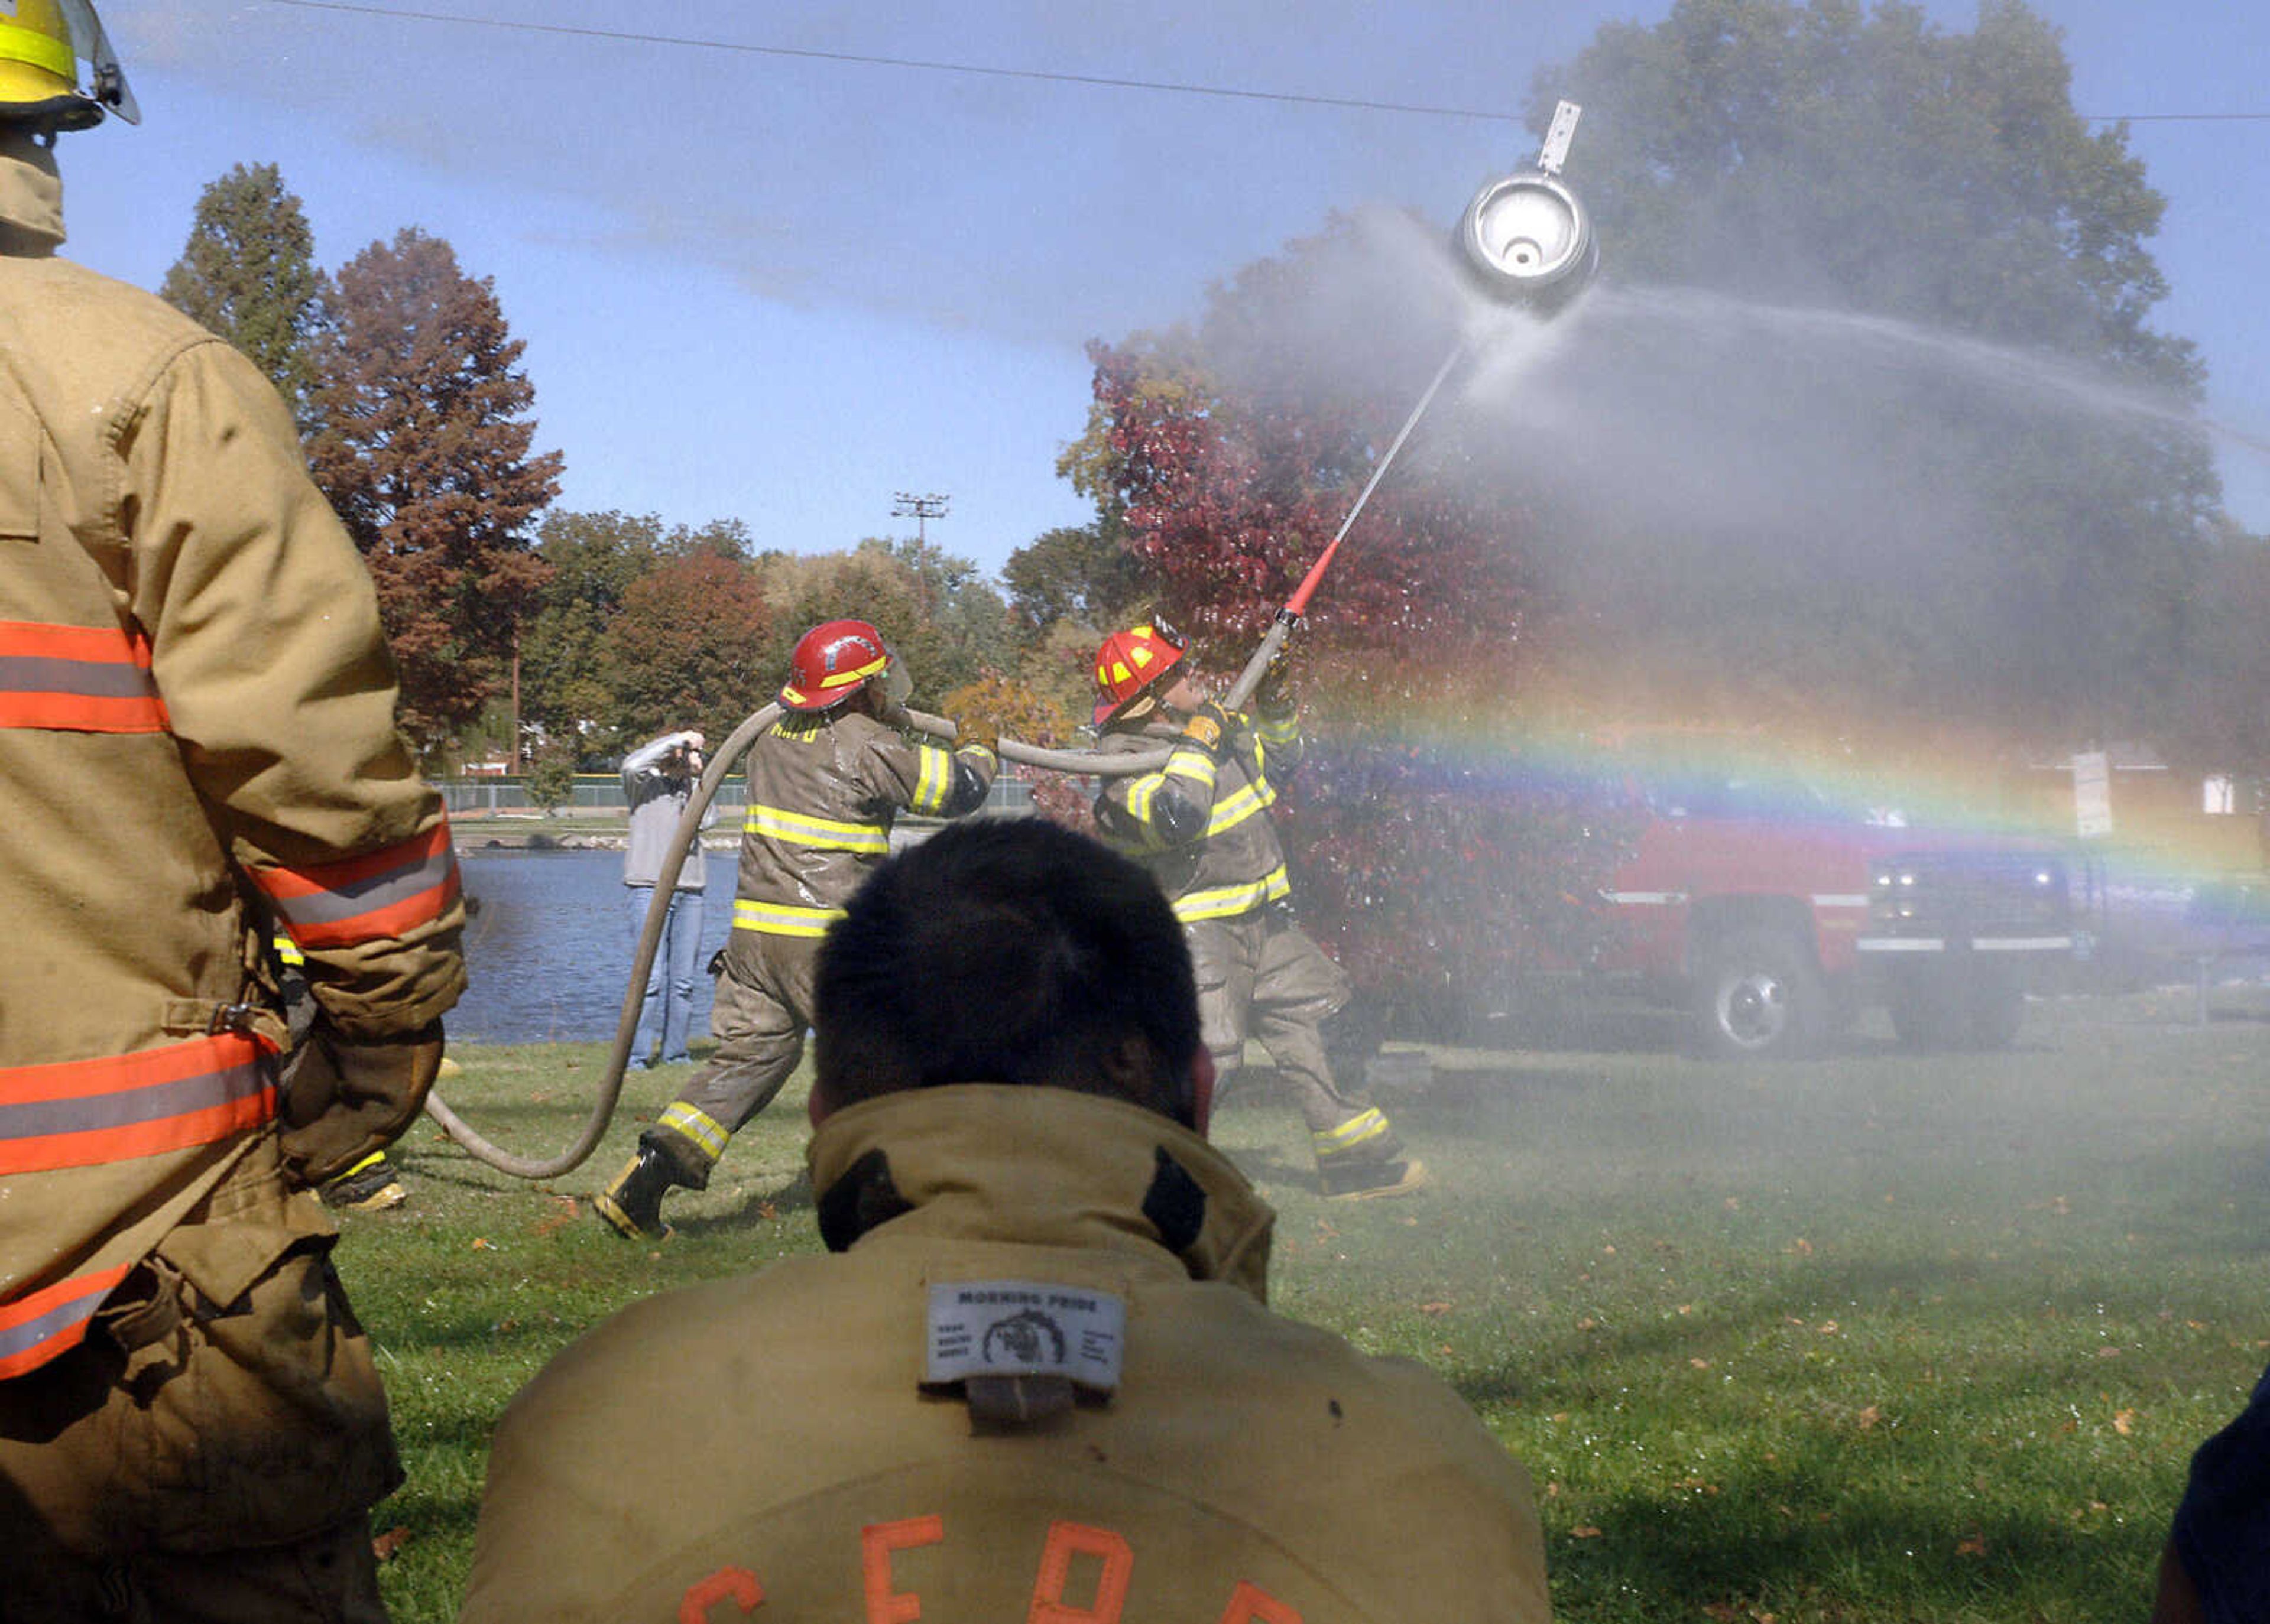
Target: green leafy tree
pixel 248 274
pixel 687 648
pixel 551 779
pixel 937 611
pixel 2224 722
pixel 425 452
pixel 2014 556
pixel 1084 575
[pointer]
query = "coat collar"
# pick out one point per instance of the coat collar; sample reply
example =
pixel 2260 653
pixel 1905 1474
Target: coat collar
pixel 1042 1167
pixel 30 195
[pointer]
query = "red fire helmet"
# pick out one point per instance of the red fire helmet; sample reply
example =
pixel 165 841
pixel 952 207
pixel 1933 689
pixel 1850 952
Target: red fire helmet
pixel 832 660
pixel 1130 662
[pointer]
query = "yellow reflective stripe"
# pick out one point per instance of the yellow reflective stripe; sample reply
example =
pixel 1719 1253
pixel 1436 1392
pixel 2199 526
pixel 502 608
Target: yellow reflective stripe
pixel 1227 901
pixel 288 951
pixel 1356 1131
pixel 364 1166
pixel 1247 802
pixel 1196 765
pixel 839 679
pixel 935 782
pixel 1141 793
pixel 823 833
pixel 782 918
pixel 20 43
pixel 693 1122
pixel 1280 732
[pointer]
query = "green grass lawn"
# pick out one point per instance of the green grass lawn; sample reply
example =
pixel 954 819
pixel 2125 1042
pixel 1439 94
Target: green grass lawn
pixel 1877 1338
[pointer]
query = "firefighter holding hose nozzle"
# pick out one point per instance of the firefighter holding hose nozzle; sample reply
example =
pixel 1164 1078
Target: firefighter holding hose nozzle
pixel 1201 825
pixel 825 782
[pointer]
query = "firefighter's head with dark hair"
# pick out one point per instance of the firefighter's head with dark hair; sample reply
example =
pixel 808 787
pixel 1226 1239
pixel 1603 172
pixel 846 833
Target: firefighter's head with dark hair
pixel 1008 950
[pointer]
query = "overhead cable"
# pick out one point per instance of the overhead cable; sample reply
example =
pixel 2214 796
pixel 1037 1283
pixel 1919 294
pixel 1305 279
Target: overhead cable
pixel 1045 76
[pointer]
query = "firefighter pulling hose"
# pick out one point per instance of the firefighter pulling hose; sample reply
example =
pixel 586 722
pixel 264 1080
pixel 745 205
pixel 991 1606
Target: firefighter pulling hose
pixel 1524 240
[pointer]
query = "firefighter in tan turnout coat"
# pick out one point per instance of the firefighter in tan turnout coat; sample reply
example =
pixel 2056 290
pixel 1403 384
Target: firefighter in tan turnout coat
pixel 1201 825
pixel 825 783
pixel 1036 1379
pixel 196 739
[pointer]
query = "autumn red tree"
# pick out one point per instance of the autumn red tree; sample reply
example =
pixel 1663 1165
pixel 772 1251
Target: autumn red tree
pixel 1226 456
pixel 425 452
pixel 687 647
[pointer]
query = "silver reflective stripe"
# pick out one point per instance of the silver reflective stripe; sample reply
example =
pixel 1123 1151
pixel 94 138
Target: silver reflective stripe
pixel 94 679
pixel 352 899
pixel 33 1119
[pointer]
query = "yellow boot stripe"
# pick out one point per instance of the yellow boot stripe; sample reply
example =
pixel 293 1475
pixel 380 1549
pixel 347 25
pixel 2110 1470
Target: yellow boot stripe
pixel 1356 1131
pixel 695 1125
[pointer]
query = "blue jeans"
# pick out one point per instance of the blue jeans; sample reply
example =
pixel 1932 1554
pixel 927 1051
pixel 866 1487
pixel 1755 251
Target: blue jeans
pixel 670 982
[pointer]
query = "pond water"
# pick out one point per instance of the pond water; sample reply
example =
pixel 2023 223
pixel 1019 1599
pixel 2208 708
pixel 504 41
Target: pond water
pixel 549 952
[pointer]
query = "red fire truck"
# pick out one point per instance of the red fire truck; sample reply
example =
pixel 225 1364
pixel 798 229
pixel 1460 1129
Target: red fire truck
pixel 1772 913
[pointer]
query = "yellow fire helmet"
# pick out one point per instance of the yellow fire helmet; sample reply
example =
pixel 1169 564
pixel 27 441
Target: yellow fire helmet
pixel 41 44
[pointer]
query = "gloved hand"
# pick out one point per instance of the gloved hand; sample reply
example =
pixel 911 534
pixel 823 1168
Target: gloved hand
pixel 344 1098
pixel 1208 727
pixel 977 730
pixel 1272 695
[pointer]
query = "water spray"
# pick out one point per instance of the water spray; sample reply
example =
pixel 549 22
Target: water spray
pixel 1524 240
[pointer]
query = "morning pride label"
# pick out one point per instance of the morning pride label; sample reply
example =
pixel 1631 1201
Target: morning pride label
pixel 1025 1328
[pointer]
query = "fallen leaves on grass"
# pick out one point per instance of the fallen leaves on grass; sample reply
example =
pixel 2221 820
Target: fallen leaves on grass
pixel 1974 1543
pixel 1584 1531
pixel 564 1210
pixel 1801 1247
pixel 1700 1363
pixel 482 1244
pixel 1436 1309
pixel 1588 1324
pixel 386 1544
pixel 1696 1486
pixel 2123 1422
pixel 1826 1328
pixel 1720 1613
pixel 1869 1417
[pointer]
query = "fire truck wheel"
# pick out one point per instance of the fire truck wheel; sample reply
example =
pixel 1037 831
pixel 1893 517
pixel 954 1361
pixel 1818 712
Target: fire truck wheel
pixel 1759 996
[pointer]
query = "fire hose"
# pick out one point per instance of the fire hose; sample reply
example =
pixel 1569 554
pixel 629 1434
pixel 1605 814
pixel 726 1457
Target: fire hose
pixel 681 843
pixel 1525 238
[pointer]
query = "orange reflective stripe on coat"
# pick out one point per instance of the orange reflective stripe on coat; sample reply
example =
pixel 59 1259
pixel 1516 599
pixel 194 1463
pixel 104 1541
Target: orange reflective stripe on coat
pixel 77 680
pixel 86 1113
pixel 35 1329
pixel 381 894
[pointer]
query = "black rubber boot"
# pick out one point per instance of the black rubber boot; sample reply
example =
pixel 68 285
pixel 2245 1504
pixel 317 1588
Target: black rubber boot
pixel 632 1204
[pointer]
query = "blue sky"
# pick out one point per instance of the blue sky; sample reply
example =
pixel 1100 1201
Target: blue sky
pixel 782 289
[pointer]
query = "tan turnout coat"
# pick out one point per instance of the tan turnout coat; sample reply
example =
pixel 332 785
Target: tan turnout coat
pixel 1202 825
pixel 1243 1467
pixel 824 790
pixel 196 736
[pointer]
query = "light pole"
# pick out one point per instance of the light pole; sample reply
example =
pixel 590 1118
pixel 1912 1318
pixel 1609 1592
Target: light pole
pixel 921 509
